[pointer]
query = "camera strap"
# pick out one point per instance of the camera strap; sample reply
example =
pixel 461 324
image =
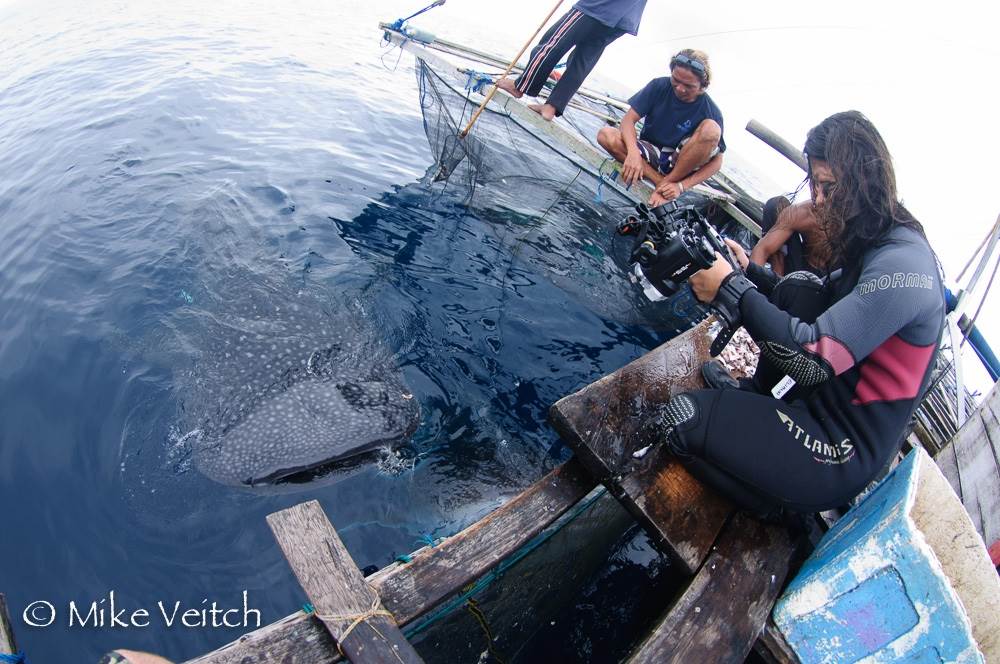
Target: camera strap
pixel 727 308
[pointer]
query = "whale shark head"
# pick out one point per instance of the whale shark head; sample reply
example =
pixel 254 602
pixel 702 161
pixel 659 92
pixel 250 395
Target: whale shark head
pixel 292 389
pixel 314 424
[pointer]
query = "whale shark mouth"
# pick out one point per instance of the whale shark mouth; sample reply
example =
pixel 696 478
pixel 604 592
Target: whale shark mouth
pixel 313 427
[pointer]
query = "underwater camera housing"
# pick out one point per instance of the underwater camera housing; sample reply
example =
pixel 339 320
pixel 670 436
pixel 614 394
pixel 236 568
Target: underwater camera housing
pixel 672 243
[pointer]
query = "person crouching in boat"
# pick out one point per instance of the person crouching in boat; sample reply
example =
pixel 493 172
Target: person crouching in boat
pixel 864 362
pixel 587 28
pixel 681 144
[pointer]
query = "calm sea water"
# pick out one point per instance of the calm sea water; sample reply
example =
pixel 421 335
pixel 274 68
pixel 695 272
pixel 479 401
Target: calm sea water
pixel 163 165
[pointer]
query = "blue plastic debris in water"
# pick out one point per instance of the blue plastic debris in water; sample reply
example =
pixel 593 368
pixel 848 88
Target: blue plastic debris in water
pixel 184 295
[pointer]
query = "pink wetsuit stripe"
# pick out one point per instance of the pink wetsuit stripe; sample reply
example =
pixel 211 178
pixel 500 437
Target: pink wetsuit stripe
pixel 894 371
pixel 532 69
pixel 834 352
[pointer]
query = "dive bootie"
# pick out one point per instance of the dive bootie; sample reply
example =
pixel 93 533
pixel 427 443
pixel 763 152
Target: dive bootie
pixel 717 376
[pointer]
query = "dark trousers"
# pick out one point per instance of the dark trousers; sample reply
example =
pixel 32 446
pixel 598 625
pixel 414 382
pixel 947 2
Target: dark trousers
pixel 588 38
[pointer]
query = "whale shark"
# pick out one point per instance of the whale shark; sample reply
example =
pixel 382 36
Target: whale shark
pixel 293 388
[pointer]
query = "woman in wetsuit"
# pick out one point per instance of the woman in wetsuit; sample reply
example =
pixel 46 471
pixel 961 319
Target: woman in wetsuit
pixel 853 375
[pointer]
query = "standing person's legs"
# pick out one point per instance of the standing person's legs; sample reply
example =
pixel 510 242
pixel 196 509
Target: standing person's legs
pixel 581 62
pixel 555 43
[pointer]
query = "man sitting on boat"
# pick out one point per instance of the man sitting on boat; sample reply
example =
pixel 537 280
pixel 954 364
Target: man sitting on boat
pixel 587 28
pixel 864 362
pixel 681 144
pixel 792 239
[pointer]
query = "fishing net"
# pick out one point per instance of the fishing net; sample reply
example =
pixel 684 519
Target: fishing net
pixel 557 211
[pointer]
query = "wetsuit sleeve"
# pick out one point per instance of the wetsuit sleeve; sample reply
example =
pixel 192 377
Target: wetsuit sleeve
pixel 898 283
pixel 764 278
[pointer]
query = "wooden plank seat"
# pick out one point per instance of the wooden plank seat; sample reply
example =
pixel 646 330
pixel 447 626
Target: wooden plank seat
pixel 350 608
pixel 726 605
pixel 602 423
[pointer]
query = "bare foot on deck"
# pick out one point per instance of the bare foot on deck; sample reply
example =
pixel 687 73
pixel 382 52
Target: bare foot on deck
pixel 507 85
pixel 547 111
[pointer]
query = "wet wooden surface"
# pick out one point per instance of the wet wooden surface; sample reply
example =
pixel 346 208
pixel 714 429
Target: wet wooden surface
pixel 349 607
pixel 606 422
pixel 725 608
pixel 302 639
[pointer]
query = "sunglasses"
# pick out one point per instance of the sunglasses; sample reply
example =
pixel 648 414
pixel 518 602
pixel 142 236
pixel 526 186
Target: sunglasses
pixel 692 64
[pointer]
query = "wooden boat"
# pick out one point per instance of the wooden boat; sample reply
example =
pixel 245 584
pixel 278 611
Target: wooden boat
pixel 725 556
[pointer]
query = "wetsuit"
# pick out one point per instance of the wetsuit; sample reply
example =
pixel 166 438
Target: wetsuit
pixel 867 360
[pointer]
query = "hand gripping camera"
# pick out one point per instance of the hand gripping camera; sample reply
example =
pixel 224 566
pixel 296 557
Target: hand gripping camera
pixel 672 243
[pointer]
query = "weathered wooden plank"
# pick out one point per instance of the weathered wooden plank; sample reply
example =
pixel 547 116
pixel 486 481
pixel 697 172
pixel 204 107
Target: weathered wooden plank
pixel 990 483
pixel 301 638
pixel 347 605
pixel 979 474
pixel 8 646
pixel 948 464
pixel 682 514
pixel 990 411
pixel 603 424
pixel 415 588
pixel 724 609
pixel 772 647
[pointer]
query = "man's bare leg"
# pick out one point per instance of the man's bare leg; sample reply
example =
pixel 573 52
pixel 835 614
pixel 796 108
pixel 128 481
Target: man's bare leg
pixel 508 86
pixel 547 111
pixel 697 151
pixel 612 141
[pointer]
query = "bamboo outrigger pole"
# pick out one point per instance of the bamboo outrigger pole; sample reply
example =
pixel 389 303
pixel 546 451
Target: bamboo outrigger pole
pixel 513 62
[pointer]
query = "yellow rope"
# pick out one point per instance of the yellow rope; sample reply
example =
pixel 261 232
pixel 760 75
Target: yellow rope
pixel 356 619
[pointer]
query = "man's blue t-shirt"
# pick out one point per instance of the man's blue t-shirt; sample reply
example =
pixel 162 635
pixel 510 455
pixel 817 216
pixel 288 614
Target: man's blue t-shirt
pixel 622 14
pixel 667 119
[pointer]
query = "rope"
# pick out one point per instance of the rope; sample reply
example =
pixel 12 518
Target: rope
pixel 473 607
pixel 606 177
pixel 356 619
pixel 475 81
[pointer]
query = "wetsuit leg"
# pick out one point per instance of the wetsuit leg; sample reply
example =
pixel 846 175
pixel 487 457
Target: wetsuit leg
pixel 762 453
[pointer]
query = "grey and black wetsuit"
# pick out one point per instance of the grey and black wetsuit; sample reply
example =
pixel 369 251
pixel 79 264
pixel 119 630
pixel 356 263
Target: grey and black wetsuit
pixel 868 358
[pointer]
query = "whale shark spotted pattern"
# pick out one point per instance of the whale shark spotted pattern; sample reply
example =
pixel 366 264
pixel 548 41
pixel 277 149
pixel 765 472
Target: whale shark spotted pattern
pixel 289 388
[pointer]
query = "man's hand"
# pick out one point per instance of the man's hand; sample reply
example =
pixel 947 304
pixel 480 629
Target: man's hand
pixel 705 283
pixel 632 168
pixel 739 252
pixel 667 191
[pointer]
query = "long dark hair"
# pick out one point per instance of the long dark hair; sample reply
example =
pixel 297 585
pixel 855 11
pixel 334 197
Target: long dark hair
pixel 863 206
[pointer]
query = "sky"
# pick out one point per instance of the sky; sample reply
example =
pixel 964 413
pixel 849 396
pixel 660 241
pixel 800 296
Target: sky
pixel 910 67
